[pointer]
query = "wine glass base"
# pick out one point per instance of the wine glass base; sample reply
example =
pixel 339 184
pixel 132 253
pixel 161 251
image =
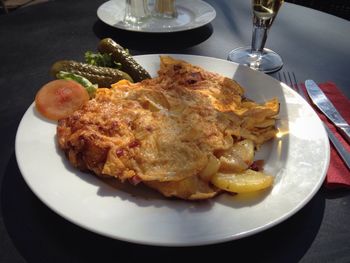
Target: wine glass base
pixel 268 61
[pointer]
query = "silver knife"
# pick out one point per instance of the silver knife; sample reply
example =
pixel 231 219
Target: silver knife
pixel 323 103
pixel 344 154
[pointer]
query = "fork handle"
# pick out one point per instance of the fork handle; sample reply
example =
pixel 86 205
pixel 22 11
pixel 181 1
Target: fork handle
pixel 344 154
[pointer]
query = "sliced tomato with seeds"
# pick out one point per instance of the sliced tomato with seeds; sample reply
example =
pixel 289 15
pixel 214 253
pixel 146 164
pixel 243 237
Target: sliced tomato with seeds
pixel 60 98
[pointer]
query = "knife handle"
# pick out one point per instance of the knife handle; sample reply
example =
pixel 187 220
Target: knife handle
pixel 345 131
pixel 344 154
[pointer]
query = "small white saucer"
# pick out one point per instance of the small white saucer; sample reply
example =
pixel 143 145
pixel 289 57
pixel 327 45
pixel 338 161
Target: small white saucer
pixel 191 14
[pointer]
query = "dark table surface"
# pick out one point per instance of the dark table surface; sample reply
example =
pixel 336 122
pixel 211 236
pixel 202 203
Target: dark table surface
pixel 313 45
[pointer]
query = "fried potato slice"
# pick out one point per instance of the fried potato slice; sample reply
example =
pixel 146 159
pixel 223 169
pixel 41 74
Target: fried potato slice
pixel 212 167
pixel 238 158
pixel 244 182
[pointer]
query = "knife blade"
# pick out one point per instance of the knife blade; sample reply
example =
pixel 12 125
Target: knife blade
pixel 325 105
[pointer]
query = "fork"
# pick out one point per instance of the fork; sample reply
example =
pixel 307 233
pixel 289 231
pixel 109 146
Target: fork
pixel 292 82
pixel 290 79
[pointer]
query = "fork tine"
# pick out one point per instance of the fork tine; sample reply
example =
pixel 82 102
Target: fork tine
pixel 299 89
pixel 290 79
pixel 285 79
pixel 282 78
pixel 291 82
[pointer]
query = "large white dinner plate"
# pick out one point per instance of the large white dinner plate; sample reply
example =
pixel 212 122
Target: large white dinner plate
pixel 191 14
pixel 298 159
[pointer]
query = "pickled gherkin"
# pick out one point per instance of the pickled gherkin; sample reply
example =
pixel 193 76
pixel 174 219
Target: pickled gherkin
pixel 122 56
pixel 102 76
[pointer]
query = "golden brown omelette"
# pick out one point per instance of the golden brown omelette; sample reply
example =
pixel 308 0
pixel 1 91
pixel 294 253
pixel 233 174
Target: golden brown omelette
pixel 166 131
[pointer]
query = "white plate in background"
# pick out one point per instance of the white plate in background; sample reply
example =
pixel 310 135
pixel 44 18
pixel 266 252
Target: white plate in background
pixel 191 14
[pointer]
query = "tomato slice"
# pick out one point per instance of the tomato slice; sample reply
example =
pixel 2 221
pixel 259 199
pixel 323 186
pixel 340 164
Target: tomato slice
pixel 60 98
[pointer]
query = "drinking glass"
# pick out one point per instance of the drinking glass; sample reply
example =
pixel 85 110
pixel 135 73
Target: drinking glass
pixel 165 9
pixel 136 12
pixel 256 56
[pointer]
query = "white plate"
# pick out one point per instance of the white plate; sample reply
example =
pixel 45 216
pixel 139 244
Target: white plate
pixel 191 14
pixel 299 160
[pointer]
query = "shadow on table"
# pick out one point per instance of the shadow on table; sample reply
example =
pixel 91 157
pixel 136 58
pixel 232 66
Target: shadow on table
pixel 336 193
pixel 40 235
pixel 340 8
pixel 154 42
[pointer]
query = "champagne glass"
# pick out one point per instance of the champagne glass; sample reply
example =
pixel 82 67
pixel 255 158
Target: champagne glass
pixel 256 56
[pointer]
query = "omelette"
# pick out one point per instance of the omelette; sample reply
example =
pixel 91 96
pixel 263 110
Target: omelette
pixel 166 131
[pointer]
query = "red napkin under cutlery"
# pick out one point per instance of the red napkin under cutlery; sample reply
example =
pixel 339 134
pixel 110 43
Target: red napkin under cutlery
pixel 338 175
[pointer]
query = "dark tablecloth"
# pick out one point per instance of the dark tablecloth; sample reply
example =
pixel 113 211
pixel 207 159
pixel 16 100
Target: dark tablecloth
pixel 313 45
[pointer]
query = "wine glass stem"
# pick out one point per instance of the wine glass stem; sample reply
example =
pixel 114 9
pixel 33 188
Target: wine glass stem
pixel 259 39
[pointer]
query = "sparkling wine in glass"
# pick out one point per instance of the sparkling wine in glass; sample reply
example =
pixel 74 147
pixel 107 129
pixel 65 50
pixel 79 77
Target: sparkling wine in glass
pixel 257 56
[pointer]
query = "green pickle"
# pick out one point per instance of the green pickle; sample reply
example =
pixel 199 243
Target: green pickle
pixel 120 55
pixel 102 76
